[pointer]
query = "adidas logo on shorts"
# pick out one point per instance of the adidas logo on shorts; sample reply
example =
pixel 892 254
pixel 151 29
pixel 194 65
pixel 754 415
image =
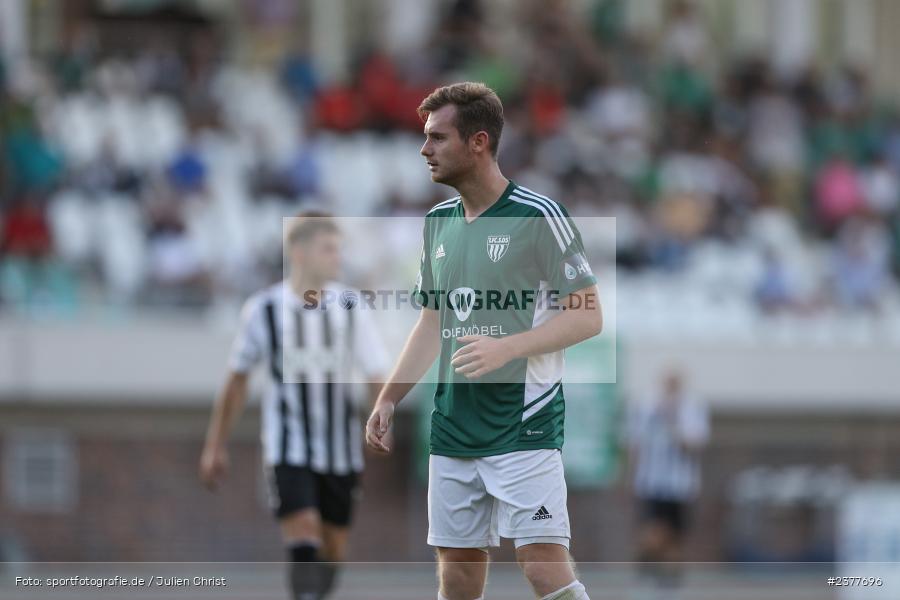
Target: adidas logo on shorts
pixel 541 514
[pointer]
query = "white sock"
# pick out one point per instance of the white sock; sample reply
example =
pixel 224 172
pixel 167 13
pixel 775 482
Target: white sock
pixel 573 591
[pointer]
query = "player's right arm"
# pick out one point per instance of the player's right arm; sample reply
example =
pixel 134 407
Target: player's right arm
pixel 228 407
pixel 422 346
pixel 421 349
pixel 247 351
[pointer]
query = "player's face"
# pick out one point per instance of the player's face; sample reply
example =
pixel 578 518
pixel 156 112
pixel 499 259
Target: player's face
pixel 319 256
pixel 672 385
pixel 446 153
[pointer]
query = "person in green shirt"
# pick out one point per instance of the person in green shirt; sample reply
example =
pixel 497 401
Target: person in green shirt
pixel 504 288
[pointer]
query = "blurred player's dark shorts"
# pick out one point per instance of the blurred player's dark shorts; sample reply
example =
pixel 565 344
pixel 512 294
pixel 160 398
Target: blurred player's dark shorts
pixel 670 512
pixel 294 488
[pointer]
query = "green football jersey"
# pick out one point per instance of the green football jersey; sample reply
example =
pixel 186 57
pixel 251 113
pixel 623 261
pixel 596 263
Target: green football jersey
pixel 499 275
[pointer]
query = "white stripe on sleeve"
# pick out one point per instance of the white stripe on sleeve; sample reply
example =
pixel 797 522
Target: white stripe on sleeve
pixel 540 207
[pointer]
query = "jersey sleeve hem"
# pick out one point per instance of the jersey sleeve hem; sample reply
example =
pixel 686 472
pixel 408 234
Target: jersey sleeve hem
pixel 577 285
pixel 456 453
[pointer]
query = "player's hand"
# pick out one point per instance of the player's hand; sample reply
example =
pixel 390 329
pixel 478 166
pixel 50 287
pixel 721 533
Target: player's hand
pixel 480 355
pixel 378 425
pixel 213 465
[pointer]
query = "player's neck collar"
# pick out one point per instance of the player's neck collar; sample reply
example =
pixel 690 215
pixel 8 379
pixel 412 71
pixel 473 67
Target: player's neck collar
pixel 500 201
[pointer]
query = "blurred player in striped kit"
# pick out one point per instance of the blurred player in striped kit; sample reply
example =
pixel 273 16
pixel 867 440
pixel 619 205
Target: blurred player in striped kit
pixel 667 434
pixel 313 336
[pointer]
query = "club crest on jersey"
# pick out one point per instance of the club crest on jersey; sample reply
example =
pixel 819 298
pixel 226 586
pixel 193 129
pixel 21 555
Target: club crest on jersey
pixel 461 300
pixel 497 246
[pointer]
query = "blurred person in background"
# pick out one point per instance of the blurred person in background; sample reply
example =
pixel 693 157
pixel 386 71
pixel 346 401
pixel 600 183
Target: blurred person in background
pixel 177 273
pixel 25 250
pixel 775 290
pixel 861 263
pixel 685 39
pixel 667 433
pixel 314 336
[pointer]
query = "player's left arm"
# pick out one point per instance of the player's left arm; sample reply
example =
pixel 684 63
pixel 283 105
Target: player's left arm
pixel 693 427
pixel 581 318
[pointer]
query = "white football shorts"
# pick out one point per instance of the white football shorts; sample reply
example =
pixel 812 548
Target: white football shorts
pixel 473 502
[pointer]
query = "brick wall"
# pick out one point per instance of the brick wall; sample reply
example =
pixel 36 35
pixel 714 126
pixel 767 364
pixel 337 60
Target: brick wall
pixel 139 498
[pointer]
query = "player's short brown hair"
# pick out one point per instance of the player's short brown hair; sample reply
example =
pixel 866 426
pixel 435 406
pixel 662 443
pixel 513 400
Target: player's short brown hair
pixel 306 224
pixel 478 108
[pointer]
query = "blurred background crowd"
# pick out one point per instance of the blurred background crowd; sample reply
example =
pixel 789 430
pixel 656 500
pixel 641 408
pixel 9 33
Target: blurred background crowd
pixel 148 158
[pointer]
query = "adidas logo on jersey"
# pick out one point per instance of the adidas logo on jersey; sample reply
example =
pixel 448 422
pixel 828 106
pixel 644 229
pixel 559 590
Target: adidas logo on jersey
pixel 541 514
pixel 439 253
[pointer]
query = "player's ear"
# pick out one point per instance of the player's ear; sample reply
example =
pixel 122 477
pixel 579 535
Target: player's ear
pixel 479 142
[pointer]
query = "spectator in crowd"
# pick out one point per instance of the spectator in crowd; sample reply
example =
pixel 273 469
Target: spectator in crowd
pixel 177 273
pixel 775 291
pixel 30 275
pixel 861 263
pixel 880 187
pixel 685 39
pixel 838 193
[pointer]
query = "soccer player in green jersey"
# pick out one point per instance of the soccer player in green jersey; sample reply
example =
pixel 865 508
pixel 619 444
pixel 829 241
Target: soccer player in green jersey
pixel 493 259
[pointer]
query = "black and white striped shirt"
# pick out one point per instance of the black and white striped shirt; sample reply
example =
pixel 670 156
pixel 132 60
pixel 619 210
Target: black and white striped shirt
pixel 315 355
pixel 664 470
